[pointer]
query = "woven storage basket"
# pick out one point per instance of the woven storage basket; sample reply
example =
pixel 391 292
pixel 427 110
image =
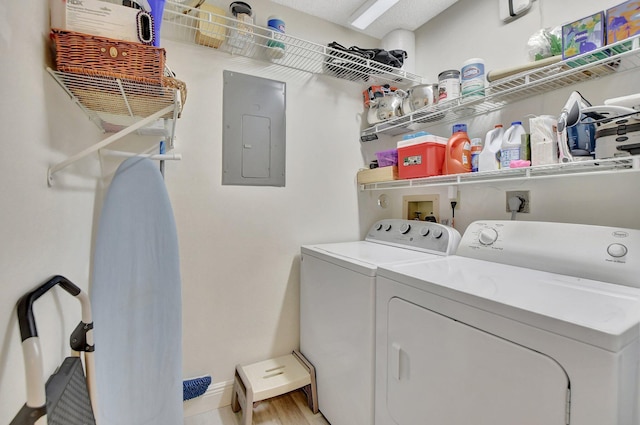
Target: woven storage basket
pixel 106 57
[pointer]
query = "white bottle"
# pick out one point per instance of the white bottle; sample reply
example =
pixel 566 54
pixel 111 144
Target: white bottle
pixel 511 142
pixel 488 160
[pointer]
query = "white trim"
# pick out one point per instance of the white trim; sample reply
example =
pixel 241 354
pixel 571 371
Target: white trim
pixel 217 395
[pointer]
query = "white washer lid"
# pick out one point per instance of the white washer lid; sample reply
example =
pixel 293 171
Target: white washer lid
pixel 598 313
pixel 363 256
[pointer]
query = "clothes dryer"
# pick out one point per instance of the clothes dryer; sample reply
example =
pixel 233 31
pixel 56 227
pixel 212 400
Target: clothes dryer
pixel 337 308
pixel 529 323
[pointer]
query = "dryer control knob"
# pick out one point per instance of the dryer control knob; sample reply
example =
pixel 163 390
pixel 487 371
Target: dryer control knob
pixel 437 233
pixel 387 227
pixel 488 236
pixel 424 231
pixel 379 226
pixel 404 229
pixel 617 250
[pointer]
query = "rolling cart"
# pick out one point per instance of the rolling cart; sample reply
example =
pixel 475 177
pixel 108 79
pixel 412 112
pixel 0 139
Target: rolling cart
pixel 66 398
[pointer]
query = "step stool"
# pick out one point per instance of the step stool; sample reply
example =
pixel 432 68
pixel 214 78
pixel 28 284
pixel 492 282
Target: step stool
pixel 270 378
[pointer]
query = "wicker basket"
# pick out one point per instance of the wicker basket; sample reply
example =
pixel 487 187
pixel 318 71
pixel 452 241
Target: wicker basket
pixel 106 57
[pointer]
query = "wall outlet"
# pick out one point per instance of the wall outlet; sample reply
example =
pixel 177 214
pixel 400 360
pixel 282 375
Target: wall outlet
pixel 522 194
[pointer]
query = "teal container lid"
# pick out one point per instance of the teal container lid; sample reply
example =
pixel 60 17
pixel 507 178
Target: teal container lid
pixel 414 135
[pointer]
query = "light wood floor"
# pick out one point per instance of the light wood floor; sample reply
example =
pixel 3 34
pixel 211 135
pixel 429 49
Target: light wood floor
pixel 287 409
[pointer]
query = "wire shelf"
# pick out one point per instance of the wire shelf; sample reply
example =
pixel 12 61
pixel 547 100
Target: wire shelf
pixel 576 168
pixel 113 104
pixel 198 26
pixel 613 59
pixel 120 107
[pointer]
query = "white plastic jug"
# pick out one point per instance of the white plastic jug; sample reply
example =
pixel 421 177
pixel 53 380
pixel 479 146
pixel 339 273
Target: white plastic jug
pixel 488 160
pixel 511 142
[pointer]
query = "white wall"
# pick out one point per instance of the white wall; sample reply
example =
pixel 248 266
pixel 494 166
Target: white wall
pixel 239 245
pixel 44 231
pixel 473 29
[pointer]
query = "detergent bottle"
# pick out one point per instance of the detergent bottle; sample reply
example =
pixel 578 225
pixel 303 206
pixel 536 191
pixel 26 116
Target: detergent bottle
pixel 488 160
pixel 511 144
pixel 458 154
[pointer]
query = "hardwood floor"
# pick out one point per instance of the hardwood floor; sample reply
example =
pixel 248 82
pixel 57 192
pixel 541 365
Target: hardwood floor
pixel 287 409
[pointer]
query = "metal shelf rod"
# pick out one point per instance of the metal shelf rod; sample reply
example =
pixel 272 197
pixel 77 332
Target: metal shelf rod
pixel 106 142
pixel 157 156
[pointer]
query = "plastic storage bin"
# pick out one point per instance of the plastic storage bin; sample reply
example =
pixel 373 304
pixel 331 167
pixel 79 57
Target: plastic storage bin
pixel 421 157
pixel 387 158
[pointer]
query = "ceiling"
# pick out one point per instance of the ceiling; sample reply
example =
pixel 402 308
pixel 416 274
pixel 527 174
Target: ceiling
pixel 406 14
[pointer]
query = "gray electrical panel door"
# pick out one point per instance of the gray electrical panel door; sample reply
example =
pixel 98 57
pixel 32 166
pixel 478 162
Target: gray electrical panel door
pixel 253 137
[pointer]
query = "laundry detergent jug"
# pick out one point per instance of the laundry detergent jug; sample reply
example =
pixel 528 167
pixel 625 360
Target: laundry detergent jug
pixel 511 142
pixel 488 160
pixel 458 154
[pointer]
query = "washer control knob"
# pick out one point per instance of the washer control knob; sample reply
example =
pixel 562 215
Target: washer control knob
pixel 404 229
pixel 437 233
pixel 488 236
pixel 424 231
pixel 387 227
pixel 617 250
pixel 379 226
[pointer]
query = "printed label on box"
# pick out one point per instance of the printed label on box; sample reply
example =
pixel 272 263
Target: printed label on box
pixel 623 21
pixel 413 160
pixel 96 18
pixel 583 36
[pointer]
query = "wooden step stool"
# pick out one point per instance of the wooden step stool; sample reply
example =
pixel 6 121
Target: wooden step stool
pixel 270 378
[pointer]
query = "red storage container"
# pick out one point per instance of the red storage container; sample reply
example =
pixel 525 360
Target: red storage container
pixel 421 159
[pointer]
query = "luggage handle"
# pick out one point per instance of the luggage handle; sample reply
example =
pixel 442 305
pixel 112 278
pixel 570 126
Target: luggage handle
pixel 35 407
pixel 25 304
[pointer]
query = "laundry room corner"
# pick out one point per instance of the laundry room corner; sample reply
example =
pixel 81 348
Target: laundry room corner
pixel 590 199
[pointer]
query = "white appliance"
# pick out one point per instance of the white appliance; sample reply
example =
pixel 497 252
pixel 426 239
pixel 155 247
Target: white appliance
pixel 530 323
pixel 337 307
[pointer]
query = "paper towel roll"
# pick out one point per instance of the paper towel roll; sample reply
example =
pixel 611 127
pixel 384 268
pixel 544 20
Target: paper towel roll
pixel 403 40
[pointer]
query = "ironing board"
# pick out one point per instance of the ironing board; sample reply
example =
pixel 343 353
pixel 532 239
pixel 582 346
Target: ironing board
pixel 136 301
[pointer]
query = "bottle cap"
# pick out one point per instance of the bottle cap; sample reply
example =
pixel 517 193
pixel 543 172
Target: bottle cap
pixel 459 127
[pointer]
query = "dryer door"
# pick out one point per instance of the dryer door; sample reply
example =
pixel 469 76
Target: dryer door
pixel 441 371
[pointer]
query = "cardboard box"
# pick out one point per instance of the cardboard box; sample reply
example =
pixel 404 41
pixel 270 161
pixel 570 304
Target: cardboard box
pixel 210 31
pixel 623 21
pixel 95 17
pixel 583 35
pixel 374 175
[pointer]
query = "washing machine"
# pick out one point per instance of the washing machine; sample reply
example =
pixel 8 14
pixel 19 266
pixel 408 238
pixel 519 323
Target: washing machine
pixel 337 308
pixel 529 323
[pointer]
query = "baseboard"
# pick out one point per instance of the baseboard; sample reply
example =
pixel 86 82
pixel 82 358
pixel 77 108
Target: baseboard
pixel 217 395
